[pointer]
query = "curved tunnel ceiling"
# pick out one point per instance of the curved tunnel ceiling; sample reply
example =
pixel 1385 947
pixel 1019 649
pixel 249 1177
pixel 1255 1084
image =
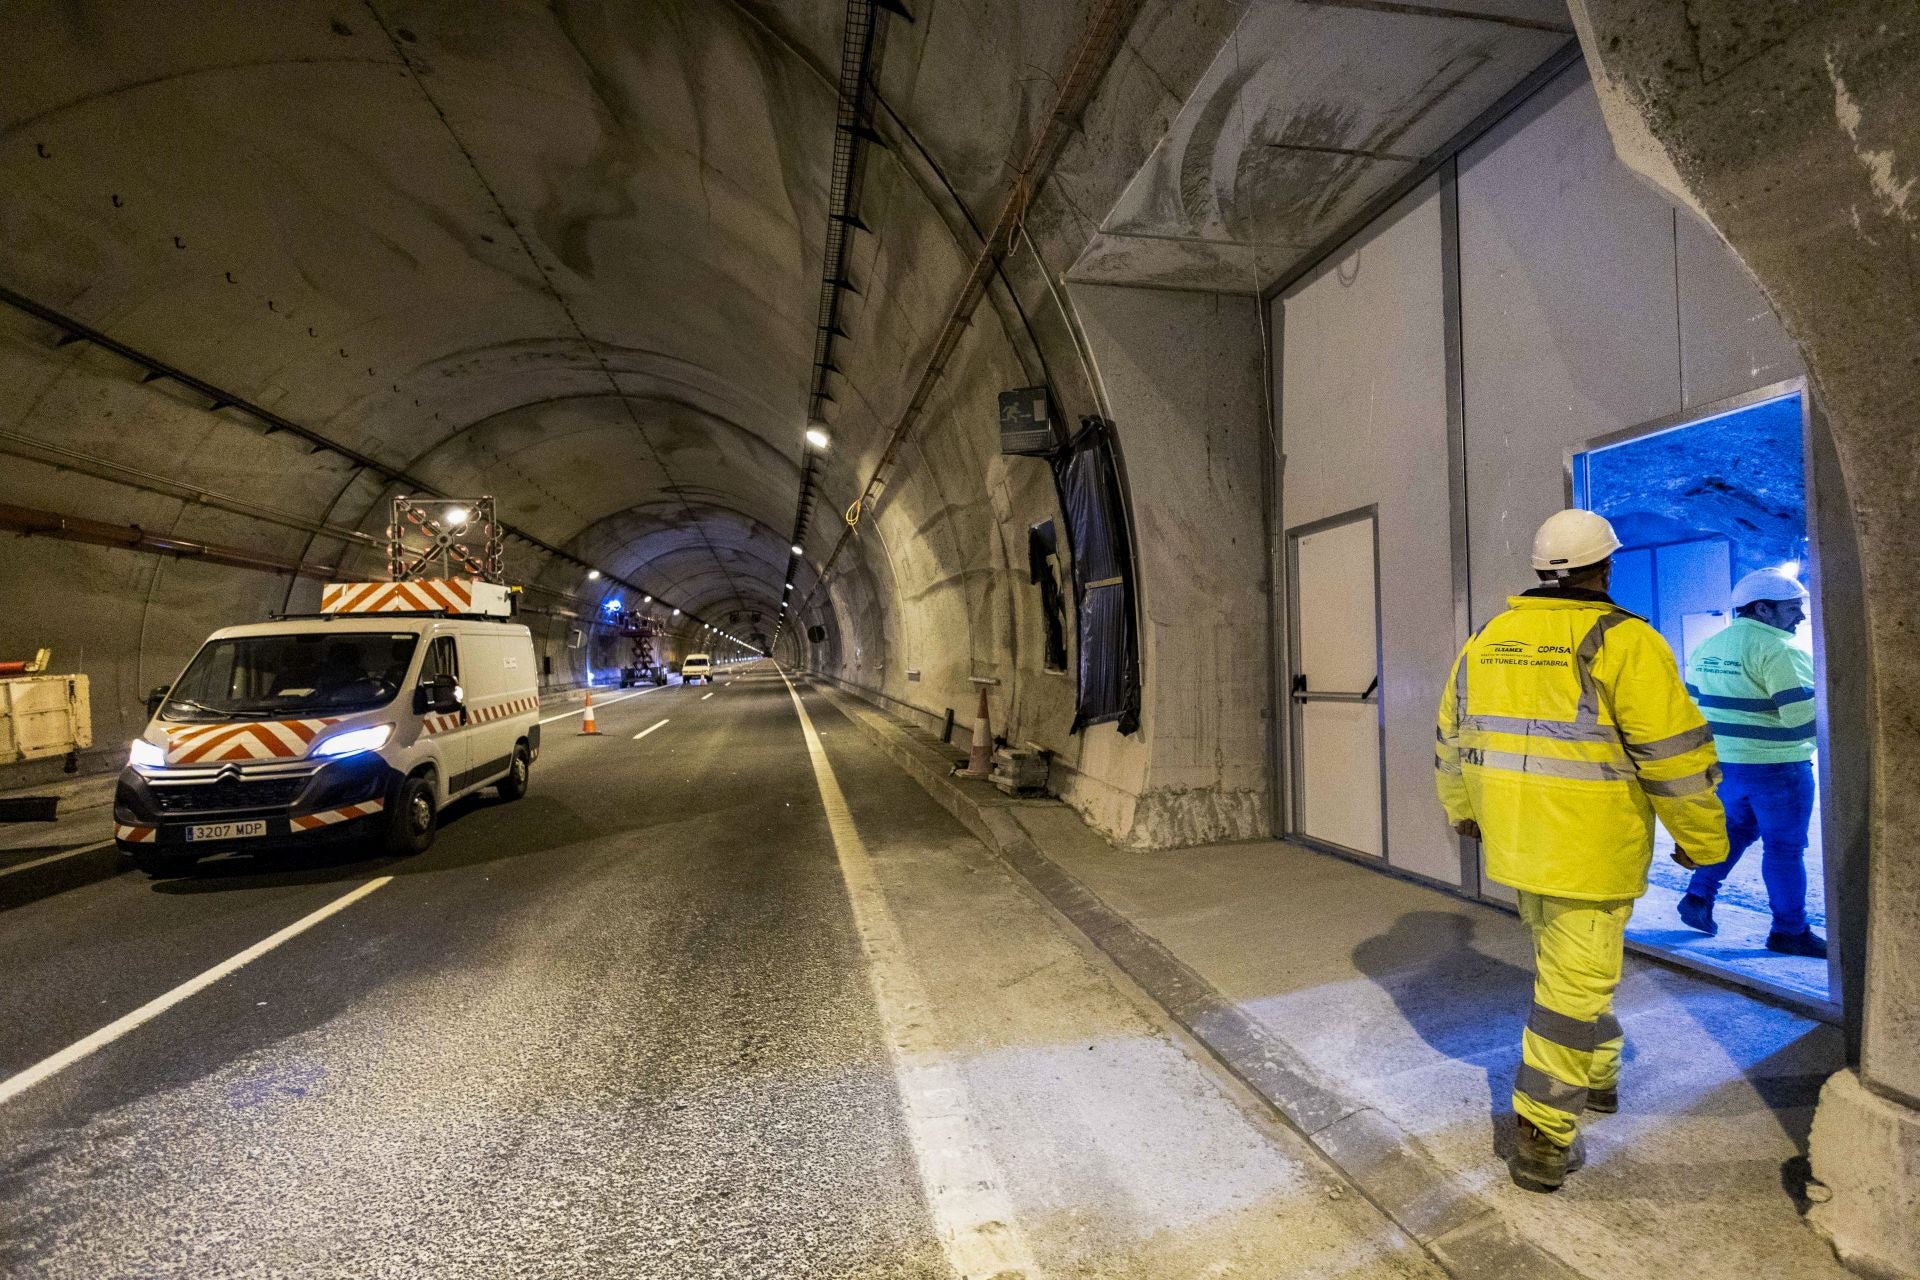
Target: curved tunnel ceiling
pixel 567 255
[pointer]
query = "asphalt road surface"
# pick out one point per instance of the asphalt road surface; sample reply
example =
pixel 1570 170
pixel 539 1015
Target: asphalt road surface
pixel 722 996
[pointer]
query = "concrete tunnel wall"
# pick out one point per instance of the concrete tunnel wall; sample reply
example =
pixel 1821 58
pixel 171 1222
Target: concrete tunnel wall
pixel 605 321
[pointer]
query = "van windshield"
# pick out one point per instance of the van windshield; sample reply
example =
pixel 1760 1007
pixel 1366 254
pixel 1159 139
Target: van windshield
pixel 303 673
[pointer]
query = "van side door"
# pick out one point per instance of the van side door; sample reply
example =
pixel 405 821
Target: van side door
pixel 446 728
pixel 488 695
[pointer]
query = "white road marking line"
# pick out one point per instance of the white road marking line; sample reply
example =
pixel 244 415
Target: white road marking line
pixel 964 1187
pixel 649 729
pixel 604 702
pixel 15 1085
pixel 705 696
pixel 55 857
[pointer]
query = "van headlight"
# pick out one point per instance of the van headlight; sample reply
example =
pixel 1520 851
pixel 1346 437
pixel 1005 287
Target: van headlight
pixel 146 754
pixel 353 741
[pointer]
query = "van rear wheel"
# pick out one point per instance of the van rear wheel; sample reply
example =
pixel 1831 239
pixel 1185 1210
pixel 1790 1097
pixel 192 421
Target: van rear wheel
pixel 519 773
pixel 413 818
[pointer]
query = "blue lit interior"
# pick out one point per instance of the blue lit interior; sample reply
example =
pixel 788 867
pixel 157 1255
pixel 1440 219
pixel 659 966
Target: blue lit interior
pixel 1699 506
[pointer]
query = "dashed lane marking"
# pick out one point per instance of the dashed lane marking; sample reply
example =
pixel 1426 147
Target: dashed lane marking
pixel 56 857
pixel 604 702
pixel 705 696
pixel 15 1085
pixel 649 729
pixel 965 1188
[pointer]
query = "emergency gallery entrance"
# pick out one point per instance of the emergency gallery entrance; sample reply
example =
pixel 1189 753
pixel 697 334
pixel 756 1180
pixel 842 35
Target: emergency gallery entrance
pixel 1334 683
pixel 1710 509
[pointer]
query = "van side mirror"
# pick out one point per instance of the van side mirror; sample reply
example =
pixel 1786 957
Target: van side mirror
pixel 442 694
pixel 157 699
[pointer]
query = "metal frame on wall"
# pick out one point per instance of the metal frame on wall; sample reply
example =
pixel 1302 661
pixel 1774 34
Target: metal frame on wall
pixel 1453 333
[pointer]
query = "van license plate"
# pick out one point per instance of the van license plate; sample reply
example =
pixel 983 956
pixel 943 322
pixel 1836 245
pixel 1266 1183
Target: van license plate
pixel 227 830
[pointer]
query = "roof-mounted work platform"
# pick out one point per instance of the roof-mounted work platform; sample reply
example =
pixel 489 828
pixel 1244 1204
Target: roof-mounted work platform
pixel 445 557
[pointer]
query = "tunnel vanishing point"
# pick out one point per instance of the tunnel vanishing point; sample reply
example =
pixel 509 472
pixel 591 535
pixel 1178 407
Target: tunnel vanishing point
pixel 734 308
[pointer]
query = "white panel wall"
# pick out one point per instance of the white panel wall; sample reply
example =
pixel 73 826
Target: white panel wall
pixel 1568 320
pixel 1588 304
pixel 1364 422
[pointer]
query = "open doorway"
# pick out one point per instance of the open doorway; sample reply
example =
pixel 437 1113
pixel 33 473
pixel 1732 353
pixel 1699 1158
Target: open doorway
pixel 1699 502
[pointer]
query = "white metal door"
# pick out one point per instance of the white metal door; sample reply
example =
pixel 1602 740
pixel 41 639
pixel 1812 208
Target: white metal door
pixel 1335 683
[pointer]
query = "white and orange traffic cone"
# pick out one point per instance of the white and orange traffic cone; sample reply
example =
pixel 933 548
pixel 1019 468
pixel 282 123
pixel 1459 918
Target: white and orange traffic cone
pixel 980 761
pixel 587 725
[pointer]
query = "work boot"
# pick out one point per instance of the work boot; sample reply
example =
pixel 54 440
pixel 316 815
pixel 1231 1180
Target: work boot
pixel 1538 1163
pixel 1605 1101
pixel 1804 943
pixel 1696 912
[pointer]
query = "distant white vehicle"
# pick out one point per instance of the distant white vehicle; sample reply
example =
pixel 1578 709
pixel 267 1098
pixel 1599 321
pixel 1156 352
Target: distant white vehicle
pixel 697 667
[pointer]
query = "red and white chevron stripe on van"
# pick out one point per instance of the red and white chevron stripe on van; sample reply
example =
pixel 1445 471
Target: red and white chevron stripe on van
pixel 442 723
pixel 447 722
pixel 327 817
pixel 134 835
pixel 511 707
pixel 246 740
pixel 455 595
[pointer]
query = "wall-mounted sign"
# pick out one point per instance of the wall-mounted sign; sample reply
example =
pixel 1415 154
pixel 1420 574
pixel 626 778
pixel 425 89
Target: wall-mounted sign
pixel 1026 423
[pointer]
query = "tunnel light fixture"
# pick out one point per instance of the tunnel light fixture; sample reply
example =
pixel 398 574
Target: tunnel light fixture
pixel 797 549
pixel 593 575
pixel 676 613
pixel 816 437
pixel 646 599
pixel 457 517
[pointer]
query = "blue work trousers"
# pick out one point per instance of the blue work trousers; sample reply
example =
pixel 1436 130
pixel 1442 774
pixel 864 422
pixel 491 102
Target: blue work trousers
pixel 1772 803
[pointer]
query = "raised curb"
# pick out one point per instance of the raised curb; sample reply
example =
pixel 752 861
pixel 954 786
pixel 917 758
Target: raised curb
pixel 1462 1232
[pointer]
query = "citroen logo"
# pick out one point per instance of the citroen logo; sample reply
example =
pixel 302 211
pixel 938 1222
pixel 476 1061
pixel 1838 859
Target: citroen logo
pixel 229 774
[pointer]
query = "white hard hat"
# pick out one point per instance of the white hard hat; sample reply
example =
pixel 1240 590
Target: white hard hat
pixel 1573 540
pixel 1767 584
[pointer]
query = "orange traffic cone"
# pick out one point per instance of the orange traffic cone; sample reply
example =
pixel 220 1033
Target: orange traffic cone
pixel 980 760
pixel 587 725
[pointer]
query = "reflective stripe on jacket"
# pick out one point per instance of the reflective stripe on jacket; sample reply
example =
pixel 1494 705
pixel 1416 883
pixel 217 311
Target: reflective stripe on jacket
pixel 1565 728
pixel 1757 691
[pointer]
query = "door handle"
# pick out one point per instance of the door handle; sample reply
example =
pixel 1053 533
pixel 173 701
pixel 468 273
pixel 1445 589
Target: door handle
pixel 1301 693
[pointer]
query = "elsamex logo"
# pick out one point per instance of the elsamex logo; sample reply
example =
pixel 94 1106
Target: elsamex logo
pixel 1507 647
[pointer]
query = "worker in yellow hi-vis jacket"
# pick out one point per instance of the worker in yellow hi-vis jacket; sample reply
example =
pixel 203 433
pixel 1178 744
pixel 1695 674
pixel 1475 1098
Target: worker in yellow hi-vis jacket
pixel 1564 730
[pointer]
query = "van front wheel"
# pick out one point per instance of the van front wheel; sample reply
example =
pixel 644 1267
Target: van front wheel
pixel 514 785
pixel 412 817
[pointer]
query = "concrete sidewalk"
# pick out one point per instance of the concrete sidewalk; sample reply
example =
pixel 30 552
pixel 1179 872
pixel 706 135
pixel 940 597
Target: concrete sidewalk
pixel 1382 1020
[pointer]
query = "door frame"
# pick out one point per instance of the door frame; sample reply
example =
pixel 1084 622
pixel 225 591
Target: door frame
pixel 1296 811
pixel 1839 921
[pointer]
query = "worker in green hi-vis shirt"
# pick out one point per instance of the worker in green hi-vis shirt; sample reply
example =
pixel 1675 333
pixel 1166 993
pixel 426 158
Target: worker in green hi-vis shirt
pixel 1756 689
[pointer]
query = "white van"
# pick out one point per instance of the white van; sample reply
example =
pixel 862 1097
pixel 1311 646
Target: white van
pixel 697 667
pixel 313 729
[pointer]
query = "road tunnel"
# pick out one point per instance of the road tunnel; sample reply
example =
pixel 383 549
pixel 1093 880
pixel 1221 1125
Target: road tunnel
pixel 1310 310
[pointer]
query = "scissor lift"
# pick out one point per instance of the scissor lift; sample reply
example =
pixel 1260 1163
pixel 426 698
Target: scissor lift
pixel 642 668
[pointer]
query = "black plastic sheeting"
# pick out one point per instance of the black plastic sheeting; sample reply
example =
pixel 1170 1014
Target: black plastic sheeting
pixel 1088 479
pixel 1042 551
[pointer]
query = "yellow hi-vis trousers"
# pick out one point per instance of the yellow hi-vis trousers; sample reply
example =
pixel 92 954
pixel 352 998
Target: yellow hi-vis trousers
pixel 1572 1041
